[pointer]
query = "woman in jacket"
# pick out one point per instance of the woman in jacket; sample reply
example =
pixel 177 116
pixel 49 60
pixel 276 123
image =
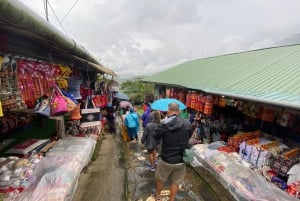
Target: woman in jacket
pixel 150 142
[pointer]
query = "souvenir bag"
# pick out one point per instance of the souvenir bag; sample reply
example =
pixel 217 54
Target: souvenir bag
pixel 99 99
pixel 90 114
pixel 74 87
pixel 43 106
pixel 58 103
pixel 188 156
pixel 71 105
pixel 70 96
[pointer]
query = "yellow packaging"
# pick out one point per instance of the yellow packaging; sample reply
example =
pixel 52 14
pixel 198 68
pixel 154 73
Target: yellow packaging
pixel 1 111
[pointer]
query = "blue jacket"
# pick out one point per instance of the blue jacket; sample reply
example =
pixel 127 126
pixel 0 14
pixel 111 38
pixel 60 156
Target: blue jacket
pixel 146 116
pixel 132 120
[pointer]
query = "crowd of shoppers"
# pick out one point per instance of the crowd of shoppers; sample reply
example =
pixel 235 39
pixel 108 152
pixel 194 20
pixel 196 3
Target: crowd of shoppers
pixel 169 132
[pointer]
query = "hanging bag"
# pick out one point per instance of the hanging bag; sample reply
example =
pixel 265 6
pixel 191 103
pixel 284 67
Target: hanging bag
pixel 90 114
pixel 100 100
pixel 58 103
pixel 43 106
pixel 70 99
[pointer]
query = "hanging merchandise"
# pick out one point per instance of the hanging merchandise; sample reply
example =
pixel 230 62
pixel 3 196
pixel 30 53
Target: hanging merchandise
pixel 1 111
pixel 71 105
pixel 208 105
pixel 59 105
pixel 1 60
pixel 222 102
pixel 171 95
pixel 238 105
pixel 85 90
pixel 285 118
pixel 181 96
pixel 188 98
pixel 251 110
pixel 43 106
pixel 4 63
pixel 100 101
pixel 167 93
pixel 74 87
pixel 268 114
pixel 62 83
pixel 75 114
pixel 90 114
pixel 34 79
pixel 63 72
pixel 199 104
pixel 229 102
pixel 70 96
pixel 192 100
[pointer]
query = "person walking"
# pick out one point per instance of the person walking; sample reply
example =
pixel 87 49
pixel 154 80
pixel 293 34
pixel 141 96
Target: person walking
pixel 145 117
pixel 174 131
pixel 132 124
pixel 111 120
pixel 148 139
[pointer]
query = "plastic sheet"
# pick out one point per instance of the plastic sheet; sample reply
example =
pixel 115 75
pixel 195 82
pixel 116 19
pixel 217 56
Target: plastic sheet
pixel 56 176
pixel 242 182
pixel 79 147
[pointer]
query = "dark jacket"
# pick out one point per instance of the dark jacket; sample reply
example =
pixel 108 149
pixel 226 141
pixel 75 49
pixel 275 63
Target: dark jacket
pixel 146 116
pixel 149 132
pixel 175 136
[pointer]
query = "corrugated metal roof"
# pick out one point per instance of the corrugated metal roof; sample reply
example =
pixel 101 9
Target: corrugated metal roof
pixel 267 75
pixel 25 33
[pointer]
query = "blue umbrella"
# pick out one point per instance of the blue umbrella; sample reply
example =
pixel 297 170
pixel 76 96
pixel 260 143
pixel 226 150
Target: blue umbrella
pixel 162 104
pixel 121 96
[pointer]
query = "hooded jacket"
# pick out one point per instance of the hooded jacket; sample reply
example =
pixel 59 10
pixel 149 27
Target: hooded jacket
pixel 175 133
pixel 131 119
pixel 149 132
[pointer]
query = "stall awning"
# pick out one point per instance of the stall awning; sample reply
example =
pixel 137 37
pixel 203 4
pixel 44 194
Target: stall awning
pixel 269 75
pixel 97 67
pixel 24 33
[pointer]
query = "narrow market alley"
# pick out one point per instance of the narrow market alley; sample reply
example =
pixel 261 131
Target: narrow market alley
pixel 120 173
pixel 104 178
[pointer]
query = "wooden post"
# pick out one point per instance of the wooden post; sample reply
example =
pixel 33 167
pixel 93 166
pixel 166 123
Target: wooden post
pixel 60 126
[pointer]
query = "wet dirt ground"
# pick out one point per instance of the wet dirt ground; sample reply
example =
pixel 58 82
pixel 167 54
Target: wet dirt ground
pixel 104 178
pixel 141 182
pixel 120 173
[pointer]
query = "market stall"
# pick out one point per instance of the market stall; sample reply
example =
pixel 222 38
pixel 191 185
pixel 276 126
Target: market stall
pixel 246 145
pixel 47 129
pixel 45 93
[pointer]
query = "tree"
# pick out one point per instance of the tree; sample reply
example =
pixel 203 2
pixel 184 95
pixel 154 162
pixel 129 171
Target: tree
pixel 137 90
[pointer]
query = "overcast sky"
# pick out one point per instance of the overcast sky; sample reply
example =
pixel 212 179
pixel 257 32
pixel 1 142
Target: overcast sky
pixel 142 37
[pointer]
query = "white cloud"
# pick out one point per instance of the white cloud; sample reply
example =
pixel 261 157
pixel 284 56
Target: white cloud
pixel 143 37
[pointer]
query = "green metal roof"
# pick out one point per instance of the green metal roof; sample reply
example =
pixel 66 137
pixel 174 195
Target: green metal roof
pixel 269 75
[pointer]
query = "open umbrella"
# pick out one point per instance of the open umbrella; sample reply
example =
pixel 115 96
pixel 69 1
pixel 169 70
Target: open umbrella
pixel 162 104
pixel 124 104
pixel 121 96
